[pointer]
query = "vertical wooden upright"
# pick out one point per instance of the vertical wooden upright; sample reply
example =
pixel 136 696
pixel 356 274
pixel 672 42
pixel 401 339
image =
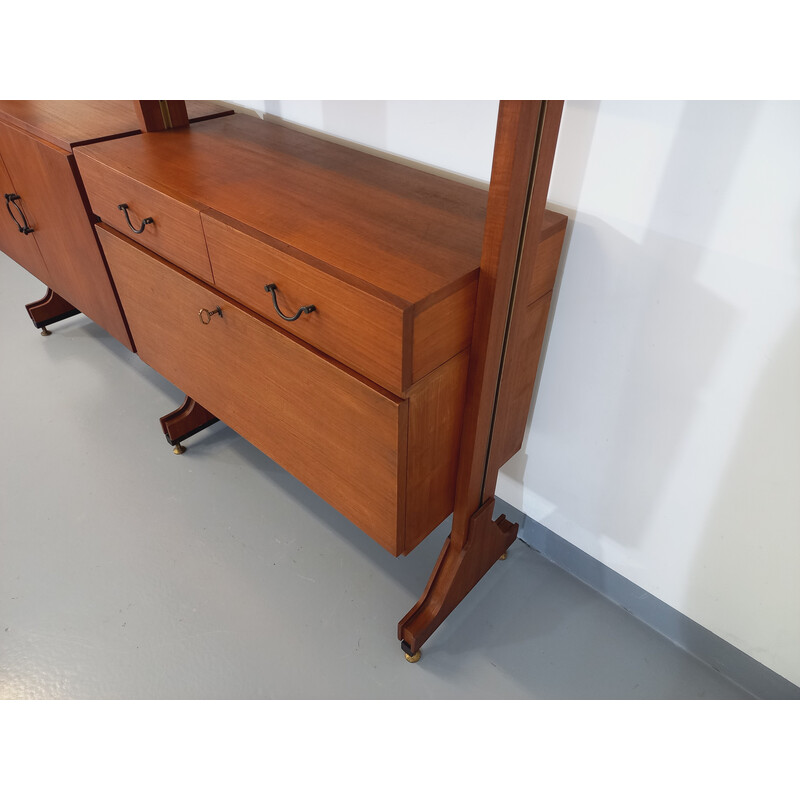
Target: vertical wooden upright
pixel 161 115
pixel 525 144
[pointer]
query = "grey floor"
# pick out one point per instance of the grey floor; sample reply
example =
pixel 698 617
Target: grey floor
pixel 127 572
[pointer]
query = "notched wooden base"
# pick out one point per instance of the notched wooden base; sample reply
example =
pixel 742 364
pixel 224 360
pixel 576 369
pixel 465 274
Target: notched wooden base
pixel 184 422
pixel 50 309
pixel 455 574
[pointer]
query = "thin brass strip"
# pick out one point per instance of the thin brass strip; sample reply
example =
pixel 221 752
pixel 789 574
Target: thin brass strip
pixel 165 115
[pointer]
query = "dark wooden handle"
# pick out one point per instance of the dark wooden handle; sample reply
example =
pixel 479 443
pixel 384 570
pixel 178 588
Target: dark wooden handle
pixel 123 207
pixel 273 290
pixel 11 199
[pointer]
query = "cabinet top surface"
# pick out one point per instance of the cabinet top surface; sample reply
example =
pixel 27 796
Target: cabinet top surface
pixel 405 231
pixel 66 123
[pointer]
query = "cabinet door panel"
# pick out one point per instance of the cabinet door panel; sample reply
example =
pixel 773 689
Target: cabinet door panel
pixel 44 176
pixel 17 246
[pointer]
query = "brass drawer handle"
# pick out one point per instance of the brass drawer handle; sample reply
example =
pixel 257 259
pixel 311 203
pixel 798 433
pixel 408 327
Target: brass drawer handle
pixel 12 198
pixel 273 290
pixel 123 207
pixel 205 315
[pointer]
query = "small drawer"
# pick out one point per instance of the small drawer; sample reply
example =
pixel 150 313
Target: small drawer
pixel 174 230
pixel 351 321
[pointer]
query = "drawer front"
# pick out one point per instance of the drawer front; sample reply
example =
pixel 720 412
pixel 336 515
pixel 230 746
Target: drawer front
pixel 353 324
pixel 342 437
pixel 175 232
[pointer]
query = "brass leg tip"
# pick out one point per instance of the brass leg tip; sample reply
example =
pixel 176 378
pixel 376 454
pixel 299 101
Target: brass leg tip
pixel 45 332
pixel 504 557
pixel 413 658
pixel 179 448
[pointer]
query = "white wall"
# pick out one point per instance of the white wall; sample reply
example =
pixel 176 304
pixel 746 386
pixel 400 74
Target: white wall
pixel 455 136
pixel 665 440
pixel 666 435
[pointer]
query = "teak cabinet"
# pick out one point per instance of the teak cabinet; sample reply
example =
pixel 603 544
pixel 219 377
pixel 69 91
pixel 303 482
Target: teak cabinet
pixel 48 228
pixel 361 396
pixel 319 300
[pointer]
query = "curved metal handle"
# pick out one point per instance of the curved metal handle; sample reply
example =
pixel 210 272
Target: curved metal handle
pixel 12 198
pixel 123 207
pixel 208 314
pixel 273 290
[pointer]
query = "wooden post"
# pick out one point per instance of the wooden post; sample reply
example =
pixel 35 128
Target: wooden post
pixel 525 143
pixel 161 115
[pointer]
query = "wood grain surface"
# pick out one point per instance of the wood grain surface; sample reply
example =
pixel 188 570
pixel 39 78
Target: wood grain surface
pixel 405 232
pixel 176 232
pixel 525 145
pixel 436 410
pixel 44 176
pixel 161 115
pixel 351 322
pixel 341 436
pixel 69 123
pixel 17 246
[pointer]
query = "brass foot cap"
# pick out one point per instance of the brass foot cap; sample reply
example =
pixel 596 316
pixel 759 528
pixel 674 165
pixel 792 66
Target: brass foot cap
pixel 179 448
pixel 412 658
pixel 45 332
pixel 504 557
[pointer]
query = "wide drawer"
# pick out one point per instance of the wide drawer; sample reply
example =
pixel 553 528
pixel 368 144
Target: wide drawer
pixel 350 320
pixel 175 231
pixel 339 435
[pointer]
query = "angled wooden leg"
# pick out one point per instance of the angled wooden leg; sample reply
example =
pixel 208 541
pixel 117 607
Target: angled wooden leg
pixel 525 143
pixel 184 422
pixel 456 572
pixel 51 308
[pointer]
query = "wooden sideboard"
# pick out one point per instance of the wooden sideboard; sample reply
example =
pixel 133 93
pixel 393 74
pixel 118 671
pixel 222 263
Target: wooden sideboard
pixel 319 300
pixel 48 228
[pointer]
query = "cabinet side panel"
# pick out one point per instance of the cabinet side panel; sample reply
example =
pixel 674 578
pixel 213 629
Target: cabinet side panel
pixel 443 329
pixel 435 416
pixel 516 386
pixel 526 337
pixel 548 254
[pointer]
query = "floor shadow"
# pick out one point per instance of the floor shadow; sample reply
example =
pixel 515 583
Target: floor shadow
pixel 411 571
